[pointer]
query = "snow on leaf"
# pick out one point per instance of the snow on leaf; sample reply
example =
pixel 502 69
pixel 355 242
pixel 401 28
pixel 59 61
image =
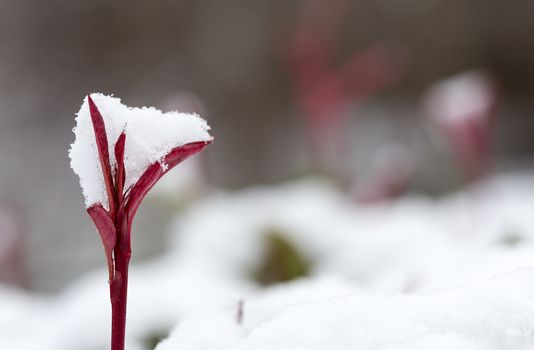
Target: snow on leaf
pixel 151 136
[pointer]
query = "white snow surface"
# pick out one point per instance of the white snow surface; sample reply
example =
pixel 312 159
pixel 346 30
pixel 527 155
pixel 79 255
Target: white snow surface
pixel 463 96
pixel 150 135
pixel 495 313
pixel 419 273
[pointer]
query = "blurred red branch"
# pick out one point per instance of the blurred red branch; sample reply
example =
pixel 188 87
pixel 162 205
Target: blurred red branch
pixel 325 91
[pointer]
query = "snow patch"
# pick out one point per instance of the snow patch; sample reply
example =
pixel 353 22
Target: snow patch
pixel 464 96
pixel 489 314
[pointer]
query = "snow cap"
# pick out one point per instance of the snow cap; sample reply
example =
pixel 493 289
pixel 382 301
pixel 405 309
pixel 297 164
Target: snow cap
pixel 150 136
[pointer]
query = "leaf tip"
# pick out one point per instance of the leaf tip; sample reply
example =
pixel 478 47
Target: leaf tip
pixel 92 105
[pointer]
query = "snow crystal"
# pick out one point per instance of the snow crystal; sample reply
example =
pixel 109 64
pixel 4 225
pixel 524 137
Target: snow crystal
pixel 150 135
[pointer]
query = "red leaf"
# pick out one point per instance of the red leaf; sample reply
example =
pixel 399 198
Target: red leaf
pixel 120 174
pixel 103 153
pixel 141 188
pixel 107 231
pixel 179 154
pixel 156 171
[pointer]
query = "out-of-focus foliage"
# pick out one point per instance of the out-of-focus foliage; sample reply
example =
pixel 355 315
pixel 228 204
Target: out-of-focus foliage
pixel 225 59
pixel 282 261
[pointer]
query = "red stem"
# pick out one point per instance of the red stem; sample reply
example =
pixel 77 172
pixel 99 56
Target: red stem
pixel 118 288
pixel 119 295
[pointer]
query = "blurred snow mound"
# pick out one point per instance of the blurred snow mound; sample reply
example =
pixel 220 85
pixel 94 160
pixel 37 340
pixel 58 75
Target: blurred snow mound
pixel 417 273
pixel 495 313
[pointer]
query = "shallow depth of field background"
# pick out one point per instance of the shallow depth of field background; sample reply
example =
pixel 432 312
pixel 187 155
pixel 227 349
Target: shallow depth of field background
pixel 228 61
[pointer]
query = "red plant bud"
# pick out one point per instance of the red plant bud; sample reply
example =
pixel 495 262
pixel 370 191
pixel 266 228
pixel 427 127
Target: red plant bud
pixel 114 224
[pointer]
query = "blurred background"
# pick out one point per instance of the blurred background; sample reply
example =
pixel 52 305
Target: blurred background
pixel 342 88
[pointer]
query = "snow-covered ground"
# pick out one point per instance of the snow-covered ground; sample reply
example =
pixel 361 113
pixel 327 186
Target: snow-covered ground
pixel 419 273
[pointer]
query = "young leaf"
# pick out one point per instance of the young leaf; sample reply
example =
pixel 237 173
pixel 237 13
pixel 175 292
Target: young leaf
pixel 179 154
pixel 120 174
pixel 157 170
pixel 141 188
pixel 103 153
pixel 107 231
